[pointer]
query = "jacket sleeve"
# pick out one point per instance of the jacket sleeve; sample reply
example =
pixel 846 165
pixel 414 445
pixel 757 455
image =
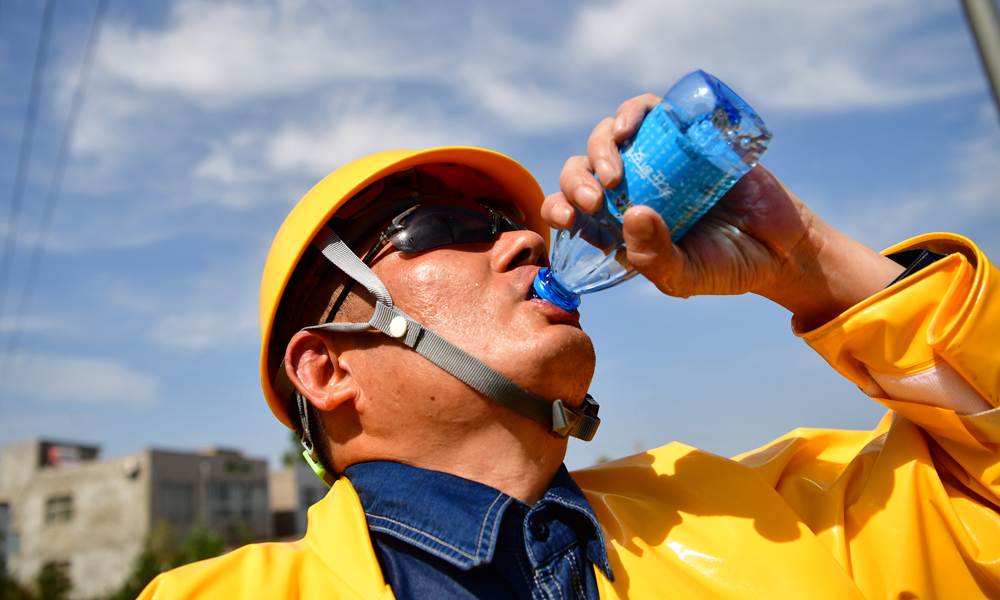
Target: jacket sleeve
pixel 911 509
pixel 928 347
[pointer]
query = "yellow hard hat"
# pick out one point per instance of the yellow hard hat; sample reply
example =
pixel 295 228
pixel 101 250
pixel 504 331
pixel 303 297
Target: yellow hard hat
pixel 485 173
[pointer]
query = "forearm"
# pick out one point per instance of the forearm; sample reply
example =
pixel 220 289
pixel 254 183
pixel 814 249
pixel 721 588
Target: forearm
pixel 826 273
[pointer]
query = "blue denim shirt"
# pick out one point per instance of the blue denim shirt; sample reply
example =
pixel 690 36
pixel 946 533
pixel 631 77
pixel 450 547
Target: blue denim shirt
pixel 441 536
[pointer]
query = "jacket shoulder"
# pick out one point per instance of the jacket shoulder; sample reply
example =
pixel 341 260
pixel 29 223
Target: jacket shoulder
pixel 268 570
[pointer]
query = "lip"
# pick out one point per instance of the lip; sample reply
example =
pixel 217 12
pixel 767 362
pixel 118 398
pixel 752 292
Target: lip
pixel 553 313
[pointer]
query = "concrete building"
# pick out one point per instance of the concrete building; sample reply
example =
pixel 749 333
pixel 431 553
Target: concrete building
pixel 93 516
pixel 292 491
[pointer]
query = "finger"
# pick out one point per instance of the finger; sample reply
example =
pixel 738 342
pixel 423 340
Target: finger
pixel 650 249
pixel 579 186
pixel 558 212
pixel 630 115
pixel 602 146
pixel 602 150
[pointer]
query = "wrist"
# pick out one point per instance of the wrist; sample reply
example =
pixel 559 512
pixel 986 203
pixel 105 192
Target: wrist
pixel 828 273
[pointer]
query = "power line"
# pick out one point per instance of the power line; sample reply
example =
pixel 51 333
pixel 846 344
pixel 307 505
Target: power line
pixel 24 155
pixel 55 185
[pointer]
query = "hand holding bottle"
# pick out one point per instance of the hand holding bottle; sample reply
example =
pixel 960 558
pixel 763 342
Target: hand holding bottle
pixel 758 238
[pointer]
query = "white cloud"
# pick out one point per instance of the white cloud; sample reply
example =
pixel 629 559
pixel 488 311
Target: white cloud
pixel 227 103
pixel 215 310
pixel 975 168
pixel 355 129
pixel 883 222
pixel 965 202
pixel 63 378
pixel 802 55
pixel 29 324
pixel 339 79
pixel 525 106
pixel 218 52
pixel 220 165
pixel 204 329
pixel 222 52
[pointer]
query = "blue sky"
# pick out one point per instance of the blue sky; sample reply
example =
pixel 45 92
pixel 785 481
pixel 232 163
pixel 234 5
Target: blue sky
pixel 207 120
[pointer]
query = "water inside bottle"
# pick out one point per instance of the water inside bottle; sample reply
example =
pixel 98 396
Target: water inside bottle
pixel 690 149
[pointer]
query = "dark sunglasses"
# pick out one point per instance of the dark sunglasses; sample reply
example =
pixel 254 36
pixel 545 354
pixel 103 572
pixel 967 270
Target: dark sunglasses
pixel 424 228
pixel 429 226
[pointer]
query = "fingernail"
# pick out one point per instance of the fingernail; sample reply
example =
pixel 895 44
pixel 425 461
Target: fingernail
pixel 640 227
pixel 604 170
pixel 620 125
pixel 563 216
pixel 589 198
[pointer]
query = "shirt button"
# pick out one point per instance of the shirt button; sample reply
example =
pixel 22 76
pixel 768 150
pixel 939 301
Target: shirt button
pixel 539 529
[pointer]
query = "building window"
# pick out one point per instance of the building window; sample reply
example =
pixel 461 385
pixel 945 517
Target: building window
pixel 176 502
pixel 310 496
pixel 238 500
pixel 58 509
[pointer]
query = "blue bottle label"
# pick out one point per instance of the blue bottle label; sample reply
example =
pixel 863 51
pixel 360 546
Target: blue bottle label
pixel 667 172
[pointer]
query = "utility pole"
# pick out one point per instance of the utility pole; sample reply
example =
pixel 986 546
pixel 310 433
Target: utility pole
pixel 984 19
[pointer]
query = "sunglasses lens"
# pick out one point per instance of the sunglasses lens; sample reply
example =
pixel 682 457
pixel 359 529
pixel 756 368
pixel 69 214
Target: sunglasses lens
pixel 430 228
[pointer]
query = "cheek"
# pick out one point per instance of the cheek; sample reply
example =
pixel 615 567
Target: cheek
pixel 443 294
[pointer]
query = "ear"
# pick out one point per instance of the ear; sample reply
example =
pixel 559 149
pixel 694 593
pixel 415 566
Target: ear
pixel 314 366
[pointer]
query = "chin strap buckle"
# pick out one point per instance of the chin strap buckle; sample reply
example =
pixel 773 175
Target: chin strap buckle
pixel 580 422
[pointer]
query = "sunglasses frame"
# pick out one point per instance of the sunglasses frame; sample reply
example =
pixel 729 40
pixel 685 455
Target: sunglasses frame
pixel 501 223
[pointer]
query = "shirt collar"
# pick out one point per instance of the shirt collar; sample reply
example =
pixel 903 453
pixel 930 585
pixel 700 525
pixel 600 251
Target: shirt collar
pixel 457 519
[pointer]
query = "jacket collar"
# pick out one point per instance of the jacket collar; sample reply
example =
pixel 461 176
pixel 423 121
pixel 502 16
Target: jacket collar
pixel 338 534
pixel 456 519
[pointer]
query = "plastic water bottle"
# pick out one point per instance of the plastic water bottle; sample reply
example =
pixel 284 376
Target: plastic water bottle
pixel 688 152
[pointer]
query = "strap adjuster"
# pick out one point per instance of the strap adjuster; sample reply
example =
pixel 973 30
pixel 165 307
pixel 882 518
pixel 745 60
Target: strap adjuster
pixel 580 422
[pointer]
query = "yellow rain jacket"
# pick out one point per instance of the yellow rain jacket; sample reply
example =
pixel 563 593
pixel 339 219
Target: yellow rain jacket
pixel 909 510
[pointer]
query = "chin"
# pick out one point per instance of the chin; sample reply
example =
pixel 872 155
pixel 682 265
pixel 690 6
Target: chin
pixel 568 368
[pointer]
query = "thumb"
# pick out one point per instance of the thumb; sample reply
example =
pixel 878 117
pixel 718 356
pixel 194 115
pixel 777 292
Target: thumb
pixel 650 249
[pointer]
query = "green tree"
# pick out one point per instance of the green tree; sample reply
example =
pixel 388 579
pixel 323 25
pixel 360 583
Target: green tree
pixel 10 589
pixel 52 582
pixel 294 453
pixel 161 552
pixel 201 543
pixel 154 559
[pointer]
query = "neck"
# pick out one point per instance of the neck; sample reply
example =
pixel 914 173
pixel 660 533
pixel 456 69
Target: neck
pixel 518 458
pixel 518 470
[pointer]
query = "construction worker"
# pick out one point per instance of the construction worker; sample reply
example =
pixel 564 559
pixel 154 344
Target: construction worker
pixel 435 396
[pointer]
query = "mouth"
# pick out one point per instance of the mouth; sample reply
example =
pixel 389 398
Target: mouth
pixel 527 281
pixel 531 293
pixel 553 313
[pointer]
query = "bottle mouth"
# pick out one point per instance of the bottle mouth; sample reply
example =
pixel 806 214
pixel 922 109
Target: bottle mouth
pixel 548 288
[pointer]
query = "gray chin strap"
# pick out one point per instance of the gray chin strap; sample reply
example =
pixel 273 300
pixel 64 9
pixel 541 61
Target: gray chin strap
pixel 561 420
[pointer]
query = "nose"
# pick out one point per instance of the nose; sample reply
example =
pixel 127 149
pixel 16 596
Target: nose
pixel 515 249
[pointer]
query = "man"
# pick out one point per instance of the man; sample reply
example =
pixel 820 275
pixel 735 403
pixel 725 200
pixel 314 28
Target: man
pixel 401 344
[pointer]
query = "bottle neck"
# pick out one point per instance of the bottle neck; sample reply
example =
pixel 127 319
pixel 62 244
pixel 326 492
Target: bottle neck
pixel 547 287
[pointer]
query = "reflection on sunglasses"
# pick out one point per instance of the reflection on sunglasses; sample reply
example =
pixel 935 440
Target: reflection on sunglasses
pixel 424 228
